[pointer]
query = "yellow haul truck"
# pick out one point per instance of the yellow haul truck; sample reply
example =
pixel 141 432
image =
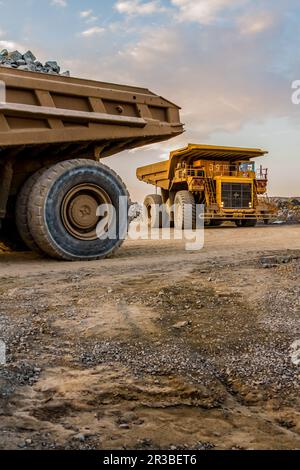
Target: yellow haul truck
pixel 223 179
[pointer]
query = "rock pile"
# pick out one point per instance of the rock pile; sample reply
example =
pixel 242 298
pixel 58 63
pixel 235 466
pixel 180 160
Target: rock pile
pixel 136 212
pixel 28 62
pixel 288 210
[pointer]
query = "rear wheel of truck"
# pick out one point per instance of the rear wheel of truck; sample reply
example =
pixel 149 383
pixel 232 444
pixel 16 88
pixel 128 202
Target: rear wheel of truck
pixel 78 210
pixel 156 213
pixel 21 212
pixel 215 223
pixel 170 212
pixel 249 223
pixel 184 211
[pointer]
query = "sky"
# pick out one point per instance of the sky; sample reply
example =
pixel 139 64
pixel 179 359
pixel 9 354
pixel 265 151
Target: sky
pixel 229 64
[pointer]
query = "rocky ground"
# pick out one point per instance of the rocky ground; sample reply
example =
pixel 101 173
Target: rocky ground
pixel 288 209
pixel 157 348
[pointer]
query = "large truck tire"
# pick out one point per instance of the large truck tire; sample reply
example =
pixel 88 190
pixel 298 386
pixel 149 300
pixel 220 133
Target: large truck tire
pixel 156 213
pixel 62 210
pixel 215 223
pixel 184 211
pixel 249 223
pixel 21 212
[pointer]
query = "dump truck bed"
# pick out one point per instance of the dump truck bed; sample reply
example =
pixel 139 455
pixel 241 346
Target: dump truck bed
pixel 161 174
pixel 48 113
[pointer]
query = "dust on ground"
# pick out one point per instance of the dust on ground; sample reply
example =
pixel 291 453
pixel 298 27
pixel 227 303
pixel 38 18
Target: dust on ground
pixel 157 348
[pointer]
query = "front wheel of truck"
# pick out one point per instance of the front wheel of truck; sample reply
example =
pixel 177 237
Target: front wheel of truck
pixel 184 211
pixel 156 213
pixel 78 210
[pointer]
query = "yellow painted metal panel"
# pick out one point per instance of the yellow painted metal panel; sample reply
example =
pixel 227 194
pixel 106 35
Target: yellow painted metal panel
pixel 212 152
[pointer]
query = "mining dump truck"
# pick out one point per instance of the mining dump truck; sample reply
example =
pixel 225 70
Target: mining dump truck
pixel 222 179
pixel 54 130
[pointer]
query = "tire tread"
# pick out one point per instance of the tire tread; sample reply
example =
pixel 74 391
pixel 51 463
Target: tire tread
pixel 38 197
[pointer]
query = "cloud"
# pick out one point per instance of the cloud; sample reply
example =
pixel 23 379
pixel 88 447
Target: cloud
pixel 203 11
pixel 92 32
pixel 60 3
pixel 256 23
pixel 12 45
pixel 137 7
pixel 92 19
pixel 86 13
pixel 88 16
pixel 157 45
pixel 219 91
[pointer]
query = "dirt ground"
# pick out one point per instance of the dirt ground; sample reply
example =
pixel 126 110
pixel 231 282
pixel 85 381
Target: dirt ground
pixel 157 348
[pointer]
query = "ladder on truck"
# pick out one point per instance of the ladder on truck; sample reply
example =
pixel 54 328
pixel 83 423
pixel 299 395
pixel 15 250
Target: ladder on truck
pixel 210 192
pixel 255 195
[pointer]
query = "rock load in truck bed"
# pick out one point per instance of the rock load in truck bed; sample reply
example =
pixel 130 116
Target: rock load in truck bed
pixel 29 62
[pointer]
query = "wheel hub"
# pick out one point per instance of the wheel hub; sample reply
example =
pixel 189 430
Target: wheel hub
pixel 79 210
pixel 83 211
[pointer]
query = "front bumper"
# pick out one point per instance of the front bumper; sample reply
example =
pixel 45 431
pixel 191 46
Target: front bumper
pixel 232 215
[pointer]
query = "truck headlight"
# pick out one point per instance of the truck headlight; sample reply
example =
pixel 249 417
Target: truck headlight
pixel 250 205
pixel 222 204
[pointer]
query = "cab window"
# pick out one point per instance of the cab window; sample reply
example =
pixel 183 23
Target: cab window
pixel 246 167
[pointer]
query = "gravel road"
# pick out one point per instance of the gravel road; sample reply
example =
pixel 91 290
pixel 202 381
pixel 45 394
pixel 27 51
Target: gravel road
pixel 156 348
